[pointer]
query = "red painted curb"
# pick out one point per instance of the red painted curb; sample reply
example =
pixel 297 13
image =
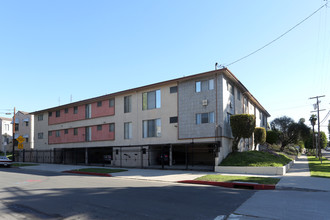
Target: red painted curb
pixel 88 173
pixel 231 184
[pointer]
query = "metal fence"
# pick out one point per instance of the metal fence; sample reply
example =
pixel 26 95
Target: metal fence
pixel 188 156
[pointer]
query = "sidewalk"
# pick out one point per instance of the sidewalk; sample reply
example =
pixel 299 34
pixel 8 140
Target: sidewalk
pixel 298 196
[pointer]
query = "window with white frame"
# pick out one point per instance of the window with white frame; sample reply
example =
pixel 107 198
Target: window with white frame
pixel 75 131
pixel 151 100
pixel 111 102
pixel 204 118
pixel 88 111
pixel 151 128
pixel 40 117
pixel 57 133
pixel 204 85
pixel 238 95
pixel 230 88
pixel 127 130
pixel 112 127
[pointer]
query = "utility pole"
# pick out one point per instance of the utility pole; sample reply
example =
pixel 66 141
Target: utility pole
pixel 319 152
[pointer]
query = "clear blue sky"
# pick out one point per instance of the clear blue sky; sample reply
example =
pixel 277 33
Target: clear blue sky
pixel 50 50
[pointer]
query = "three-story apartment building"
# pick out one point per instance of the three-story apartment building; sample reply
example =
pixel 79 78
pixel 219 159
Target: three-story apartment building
pixel 180 122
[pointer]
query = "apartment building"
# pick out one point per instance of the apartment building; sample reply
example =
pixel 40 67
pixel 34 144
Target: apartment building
pixel 24 126
pixel 179 122
pixel 6 131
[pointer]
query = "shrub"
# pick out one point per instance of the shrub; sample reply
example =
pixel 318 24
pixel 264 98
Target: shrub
pixel 275 147
pixel 259 136
pixel 272 137
pixel 242 126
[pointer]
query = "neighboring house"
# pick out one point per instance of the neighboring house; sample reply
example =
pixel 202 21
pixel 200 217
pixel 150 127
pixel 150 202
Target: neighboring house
pixel 185 121
pixel 6 131
pixel 24 126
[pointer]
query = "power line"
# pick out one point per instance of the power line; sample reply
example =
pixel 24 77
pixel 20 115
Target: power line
pixel 326 117
pixel 279 36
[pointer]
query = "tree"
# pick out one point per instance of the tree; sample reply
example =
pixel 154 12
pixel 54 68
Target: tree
pixel 289 131
pixel 329 129
pixel 259 136
pixel 304 130
pixel 242 126
pixel 324 140
pixel 313 120
pixel 272 137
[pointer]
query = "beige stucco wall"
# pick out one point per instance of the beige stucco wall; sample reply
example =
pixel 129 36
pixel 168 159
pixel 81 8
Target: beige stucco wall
pixel 41 127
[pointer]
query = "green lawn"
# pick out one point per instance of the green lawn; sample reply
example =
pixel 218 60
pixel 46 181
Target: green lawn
pixel 255 159
pixel 317 169
pixel 225 178
pixel 101 170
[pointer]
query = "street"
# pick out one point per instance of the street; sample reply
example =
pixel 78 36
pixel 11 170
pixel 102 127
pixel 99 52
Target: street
pixel 33 194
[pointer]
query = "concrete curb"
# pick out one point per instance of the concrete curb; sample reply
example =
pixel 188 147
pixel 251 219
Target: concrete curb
pixel 244 185
pixel 88 173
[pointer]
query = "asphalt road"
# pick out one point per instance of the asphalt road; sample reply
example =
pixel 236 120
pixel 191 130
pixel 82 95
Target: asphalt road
pixel 27 194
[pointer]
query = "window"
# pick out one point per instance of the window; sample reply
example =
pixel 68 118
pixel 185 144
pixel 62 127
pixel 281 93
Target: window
pixel 151 100
pixel 57 133
pixel 151 128
pixel 127 130
pixel 174 89
pixel 238 95
pixel 50 133
pixel 75 131
pixel 88 111
pixel 99 104
pixel 204 85
pixel 66 110
pixel 66 131
pixel 230 88
pixel 112 127
pixel 99 127
pixel 40 135
pixel 174 119
pixel 127 104
pixel 50 114
pixel 211 84
pixel 88 134
pixel 26 123
pixel 228 118
pixel 16 127
pixel 203 118
pixel 40 117
pixel 112 103
pixel 26 140
pixel 75 110
pixel 58 113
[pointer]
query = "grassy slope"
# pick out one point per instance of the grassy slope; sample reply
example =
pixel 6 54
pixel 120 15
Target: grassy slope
pixel 255 159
